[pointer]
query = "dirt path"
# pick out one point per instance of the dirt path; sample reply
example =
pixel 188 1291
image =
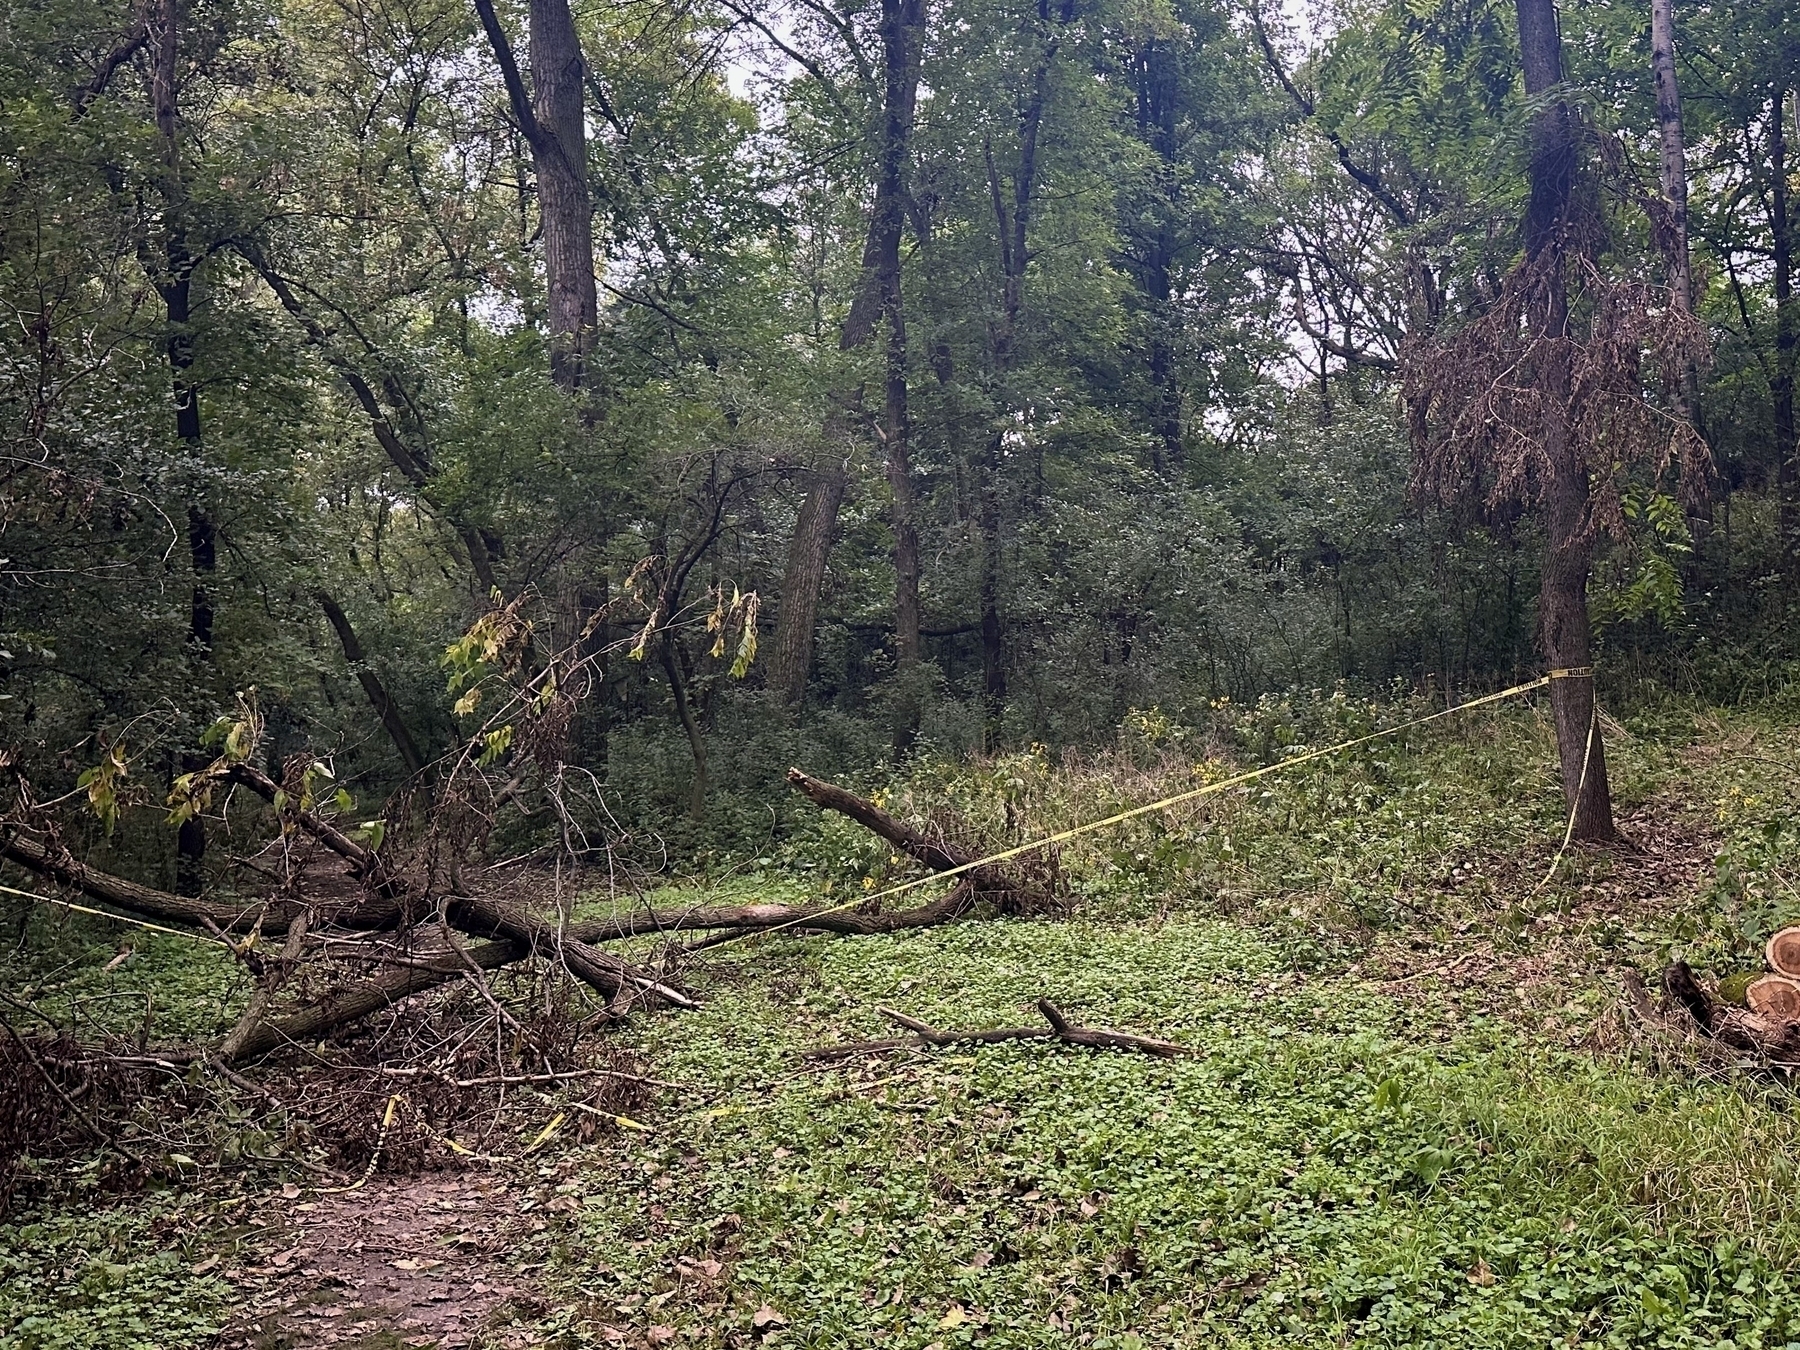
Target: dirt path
pixel 419 1261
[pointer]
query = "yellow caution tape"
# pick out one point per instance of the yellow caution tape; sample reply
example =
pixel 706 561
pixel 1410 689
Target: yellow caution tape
pixel 1163 804
pixel 548 1130
pixel 106 914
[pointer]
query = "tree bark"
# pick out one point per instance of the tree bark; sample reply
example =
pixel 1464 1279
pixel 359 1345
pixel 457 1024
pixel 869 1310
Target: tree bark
pixel 1566 629
pixel 1674 148
pixel 554 124
pixel 808 552
pixel 1685 397
pixel 1787 336
pixel 902 32
pixel 174 284
pixel 379 698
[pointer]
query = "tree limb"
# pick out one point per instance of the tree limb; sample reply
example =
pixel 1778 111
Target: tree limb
pixel 379 698
pixel 1060 1029
pixel 143 901
pixel 935 854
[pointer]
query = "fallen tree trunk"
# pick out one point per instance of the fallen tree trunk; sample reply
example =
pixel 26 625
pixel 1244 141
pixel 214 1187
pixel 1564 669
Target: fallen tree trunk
pixel 757 918
pixel 1012 895
pixel 1060 1029
pixel 619 981
pixel 622 983
pixel 144 902
pixel 358 999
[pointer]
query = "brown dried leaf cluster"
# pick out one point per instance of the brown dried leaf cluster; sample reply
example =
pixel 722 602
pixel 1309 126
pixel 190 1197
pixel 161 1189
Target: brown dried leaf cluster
pixel 1481 401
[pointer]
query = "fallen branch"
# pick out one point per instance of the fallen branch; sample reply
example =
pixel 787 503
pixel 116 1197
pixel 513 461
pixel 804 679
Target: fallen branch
pixel 619 981
pixel 1012 895
pixel 754 918
pixel 524 1079
pixel 622 983
pixel 267 986
pixel 356 1000
pixel 86 1121
pixel 145 902
pixel 1060 1029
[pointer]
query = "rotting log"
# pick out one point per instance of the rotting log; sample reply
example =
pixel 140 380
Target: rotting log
pixel 1008 892
pixel 1060 1030
pixel 1774 1038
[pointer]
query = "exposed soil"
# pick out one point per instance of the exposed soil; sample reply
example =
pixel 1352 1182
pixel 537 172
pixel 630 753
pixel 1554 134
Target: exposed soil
pixel 1538 945
pixel 417 1261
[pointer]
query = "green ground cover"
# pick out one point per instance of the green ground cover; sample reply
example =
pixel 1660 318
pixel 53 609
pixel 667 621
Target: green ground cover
pixel 1347 1159
pixel 1334 1167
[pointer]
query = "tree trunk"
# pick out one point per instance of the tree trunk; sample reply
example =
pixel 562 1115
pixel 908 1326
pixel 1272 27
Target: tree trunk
pixel 590 736
pixel 902 28
pixel 1012 222
pixel 564 201
pixel 554 123
pixel 175 287
pixel 684 712
pixel 1158 93
pixel 1787 336
pixel 1674 149
pixel 808 552
pixel 1562 604
pixel 379 698
pixel 993 635
pixel 1685 397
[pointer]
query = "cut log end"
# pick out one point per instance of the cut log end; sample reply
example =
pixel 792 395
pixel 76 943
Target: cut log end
pixel 1774 996
pixel 1783 953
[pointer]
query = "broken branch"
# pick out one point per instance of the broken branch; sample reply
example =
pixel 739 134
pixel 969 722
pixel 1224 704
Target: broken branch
pixel 1060 1029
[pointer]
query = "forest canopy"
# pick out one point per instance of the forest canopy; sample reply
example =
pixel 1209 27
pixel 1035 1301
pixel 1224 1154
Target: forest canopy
pixel 988 371
pixel 1229 569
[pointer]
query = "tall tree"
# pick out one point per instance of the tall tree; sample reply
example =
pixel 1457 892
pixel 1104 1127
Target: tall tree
pixel 553 121
pixel 1674 152
pixel 1549 234
pixel 1787 332
pixel 902 32
pixel 173 267
pixel 1529 404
